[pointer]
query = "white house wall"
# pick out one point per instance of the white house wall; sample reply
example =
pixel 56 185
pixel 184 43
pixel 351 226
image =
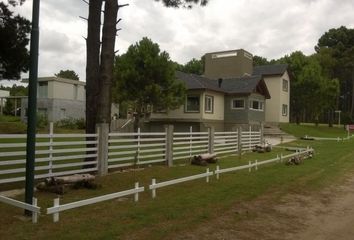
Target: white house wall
pixel 278 98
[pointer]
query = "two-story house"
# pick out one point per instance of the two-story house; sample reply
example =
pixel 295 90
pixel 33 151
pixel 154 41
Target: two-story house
pixel 58 98
pixel 231 93
pixel 224 104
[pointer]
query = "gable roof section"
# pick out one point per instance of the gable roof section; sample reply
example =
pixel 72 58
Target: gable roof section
pixel 243 85
pixel 193 81
pixel 267 70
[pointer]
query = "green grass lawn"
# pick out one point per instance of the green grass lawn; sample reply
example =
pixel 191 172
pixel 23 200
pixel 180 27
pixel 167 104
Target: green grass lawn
pixel 313 131
pixel 181 207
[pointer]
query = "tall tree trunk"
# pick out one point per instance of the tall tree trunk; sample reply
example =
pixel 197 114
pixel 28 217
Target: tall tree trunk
pixel 92 63
pixel 107 59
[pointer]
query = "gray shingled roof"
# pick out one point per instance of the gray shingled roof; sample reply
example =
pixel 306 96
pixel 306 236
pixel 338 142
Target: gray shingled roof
pixel 243 85
pixel 278 69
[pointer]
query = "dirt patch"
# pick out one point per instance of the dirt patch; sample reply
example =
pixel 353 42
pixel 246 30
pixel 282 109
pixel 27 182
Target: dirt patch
pixel 328 214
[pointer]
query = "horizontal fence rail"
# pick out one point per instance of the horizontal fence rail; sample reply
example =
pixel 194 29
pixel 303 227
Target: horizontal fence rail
pixel 256 163
pixel 59 208
pixel 55 155
pixel 155 185
pixel 65 154
pixel 30 207
pixel 129 149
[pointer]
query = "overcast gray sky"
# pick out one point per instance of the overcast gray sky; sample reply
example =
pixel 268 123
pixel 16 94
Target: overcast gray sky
pixel 269 28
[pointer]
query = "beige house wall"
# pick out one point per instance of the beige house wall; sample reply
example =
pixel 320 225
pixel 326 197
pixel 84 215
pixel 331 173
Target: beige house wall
pixel 279 97
pixel 218 108
pixel 181 114
pixel 62 90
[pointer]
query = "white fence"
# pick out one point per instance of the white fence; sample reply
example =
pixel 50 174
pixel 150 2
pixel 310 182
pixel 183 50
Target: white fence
pixel 155 185
pixel 32 208
pixel 256 163
pixel 59 208
pixel 56 155
pixel 226 142
pixel 127 149
pixel 188 144
pixel 65 154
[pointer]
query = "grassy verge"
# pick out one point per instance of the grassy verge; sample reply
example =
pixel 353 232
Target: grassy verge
pixel 180 207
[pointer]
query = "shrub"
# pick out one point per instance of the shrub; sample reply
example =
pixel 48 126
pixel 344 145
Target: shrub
pixel 71 123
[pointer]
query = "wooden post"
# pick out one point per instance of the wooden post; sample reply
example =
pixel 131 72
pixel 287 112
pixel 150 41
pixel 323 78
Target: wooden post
pixel 217 172
pixel 211 131
pixel 103 130
pixel 51 132
pixel 169 145
pixel 138 147
pixel 190 141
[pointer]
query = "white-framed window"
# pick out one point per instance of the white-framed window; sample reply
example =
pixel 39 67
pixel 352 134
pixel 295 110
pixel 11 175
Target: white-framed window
pixel 238 103
pixel 285 85
pixel 209 104
pixel 257 105
pixel 285 110
pixel 192 103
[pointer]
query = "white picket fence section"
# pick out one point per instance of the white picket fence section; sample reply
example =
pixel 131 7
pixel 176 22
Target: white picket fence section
pixel 65 154
pixel 57 208
pixel 56 155
pixel 128 149
pixel 250 139
pixel 155 185
pixel 226 143
pixel 188 144
pixel 25 206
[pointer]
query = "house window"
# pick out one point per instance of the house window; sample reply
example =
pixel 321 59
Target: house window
pixel 42 89
pixel 192 103
pixel 257 105
pixel 209 104
pixel 285 110
pixel 238 104
pixel 285 85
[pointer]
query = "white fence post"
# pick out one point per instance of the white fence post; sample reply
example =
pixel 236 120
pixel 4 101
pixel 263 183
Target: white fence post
pixel 239 141
pixel 103 131
pixel 56 215
pixel 34 214
pixel 207 176
pixel 250 137
pixel 190 141
pixel 281 157
pixel 153 191
pixel 256 167
pixel 261 132
pixel 217 172
pixel 249 166
pixel 138 147
pixel 169 145
pixel 136 195
pixel 51 132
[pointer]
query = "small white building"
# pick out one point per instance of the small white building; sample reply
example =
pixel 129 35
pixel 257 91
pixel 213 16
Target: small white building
pixel 58 98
